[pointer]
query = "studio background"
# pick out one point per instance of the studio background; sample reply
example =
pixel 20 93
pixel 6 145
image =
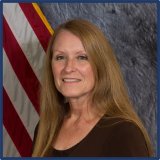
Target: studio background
pixel 131 29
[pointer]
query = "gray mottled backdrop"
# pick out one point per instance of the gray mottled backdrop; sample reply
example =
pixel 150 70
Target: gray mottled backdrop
pixel 131 29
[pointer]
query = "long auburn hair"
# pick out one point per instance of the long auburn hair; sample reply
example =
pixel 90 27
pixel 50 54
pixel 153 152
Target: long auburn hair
pixel 109 95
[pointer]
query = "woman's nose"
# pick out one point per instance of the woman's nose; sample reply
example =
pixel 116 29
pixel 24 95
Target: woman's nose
pixel 70 65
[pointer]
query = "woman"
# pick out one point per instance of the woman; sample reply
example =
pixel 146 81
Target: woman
pixel 85 108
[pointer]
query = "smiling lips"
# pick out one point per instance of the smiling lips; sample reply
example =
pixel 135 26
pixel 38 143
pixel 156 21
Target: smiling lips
pixel 70 80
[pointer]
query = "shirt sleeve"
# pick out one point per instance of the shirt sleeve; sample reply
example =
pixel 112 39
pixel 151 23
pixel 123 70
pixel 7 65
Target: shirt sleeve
pixel 35 136
pixel 126 140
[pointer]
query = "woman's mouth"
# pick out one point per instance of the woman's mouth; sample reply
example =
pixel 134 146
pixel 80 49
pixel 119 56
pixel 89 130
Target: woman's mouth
pixel 70 80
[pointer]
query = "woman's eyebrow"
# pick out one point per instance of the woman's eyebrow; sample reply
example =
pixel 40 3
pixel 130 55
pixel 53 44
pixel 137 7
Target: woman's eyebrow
pixel 58 51
pixel 77 52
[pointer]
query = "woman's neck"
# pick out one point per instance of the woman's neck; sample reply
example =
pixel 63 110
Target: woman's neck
pixel 81 110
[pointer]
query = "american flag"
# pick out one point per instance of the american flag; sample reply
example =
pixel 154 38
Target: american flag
pixel 26 33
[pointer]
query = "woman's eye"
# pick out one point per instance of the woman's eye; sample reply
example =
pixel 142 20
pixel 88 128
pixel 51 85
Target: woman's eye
pixel 83 57
pixel 59 57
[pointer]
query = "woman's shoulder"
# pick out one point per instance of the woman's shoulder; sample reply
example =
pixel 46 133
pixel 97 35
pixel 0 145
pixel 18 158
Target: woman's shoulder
pixel 120 126
pixel 124 137
pixel 111 121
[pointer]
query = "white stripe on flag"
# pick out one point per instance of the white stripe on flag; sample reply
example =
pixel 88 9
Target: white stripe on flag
pixel 9 149
pixel 25 36
pixel 18 97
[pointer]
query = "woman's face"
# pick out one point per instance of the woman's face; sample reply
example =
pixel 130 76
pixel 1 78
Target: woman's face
pixel 72 71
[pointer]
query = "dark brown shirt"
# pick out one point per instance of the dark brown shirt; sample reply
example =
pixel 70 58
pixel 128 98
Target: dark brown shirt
pixel 111 137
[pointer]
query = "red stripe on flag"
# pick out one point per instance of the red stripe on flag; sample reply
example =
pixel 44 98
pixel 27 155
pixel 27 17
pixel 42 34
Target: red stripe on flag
pixel 20 65
pixel 15 128
pixel 37 24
